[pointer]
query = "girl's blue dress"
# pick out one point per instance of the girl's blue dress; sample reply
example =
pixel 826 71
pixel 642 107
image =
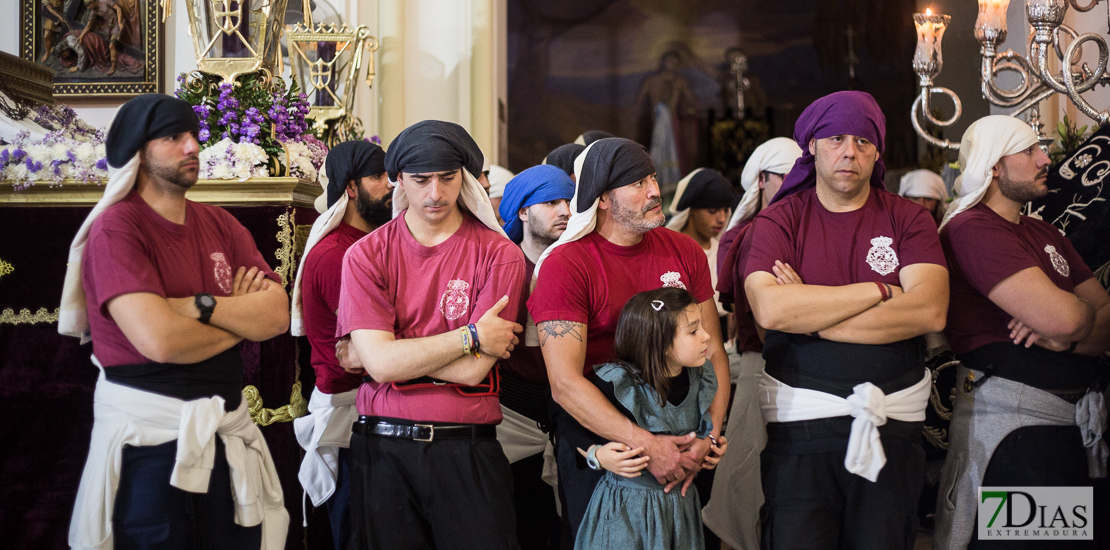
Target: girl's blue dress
pixel 635 513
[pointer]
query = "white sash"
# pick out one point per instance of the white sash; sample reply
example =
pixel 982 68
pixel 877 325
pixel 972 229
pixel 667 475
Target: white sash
pixel 321 433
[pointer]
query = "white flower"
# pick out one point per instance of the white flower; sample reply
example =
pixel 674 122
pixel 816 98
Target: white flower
pixel 17 171
pixel 86 153
pixel 40 153
pixel 61 150
pixel 220 171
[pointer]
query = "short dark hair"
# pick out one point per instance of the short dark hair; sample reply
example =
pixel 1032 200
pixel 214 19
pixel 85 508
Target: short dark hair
pixel 645 330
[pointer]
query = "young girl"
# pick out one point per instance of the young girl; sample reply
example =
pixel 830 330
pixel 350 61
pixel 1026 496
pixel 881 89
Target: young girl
pixel 662 380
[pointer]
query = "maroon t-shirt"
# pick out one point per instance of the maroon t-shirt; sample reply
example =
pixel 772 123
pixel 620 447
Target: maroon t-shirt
pixel 589 281
pixel 747 338
pixel 132 248
pixel 526 361
pixel 983 249
pixel 323 272
pixel 872 243
pixel 393 283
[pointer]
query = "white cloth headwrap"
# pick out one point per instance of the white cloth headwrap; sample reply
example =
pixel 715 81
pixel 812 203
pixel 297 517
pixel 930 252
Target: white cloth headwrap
pixel 325 223
pixel 775 155
pixel 581 223
pixel 923 184
pixel 870 407
pixel 498 177
pixel 73 316
pixel 985 142
pixel 680 216
pixel 472 195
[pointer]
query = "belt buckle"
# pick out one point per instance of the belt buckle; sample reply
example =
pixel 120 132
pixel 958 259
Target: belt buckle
pixel 431 432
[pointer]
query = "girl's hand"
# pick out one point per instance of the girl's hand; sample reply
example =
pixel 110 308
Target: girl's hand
pixel 715 453
pixel 620 459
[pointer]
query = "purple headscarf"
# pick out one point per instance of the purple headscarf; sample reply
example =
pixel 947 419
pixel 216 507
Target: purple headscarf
pixel 841 113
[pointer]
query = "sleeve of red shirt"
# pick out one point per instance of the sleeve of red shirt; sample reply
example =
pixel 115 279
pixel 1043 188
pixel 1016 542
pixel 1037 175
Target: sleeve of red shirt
pixel 328 277
pixel 562 291
pixel 701 280
pixel 1079 270
pixel 116 263
pixel 987 254
pixel 246 252
pixel 920 240
pixel 365 302
pixel 768 240
pixel 504 278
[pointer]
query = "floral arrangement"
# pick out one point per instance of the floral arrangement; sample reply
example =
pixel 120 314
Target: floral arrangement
pixel 306 157
pixel 229 160
pixel 71 150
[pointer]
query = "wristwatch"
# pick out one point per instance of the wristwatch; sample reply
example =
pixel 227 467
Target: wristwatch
pixel 206 303
pixel 591 458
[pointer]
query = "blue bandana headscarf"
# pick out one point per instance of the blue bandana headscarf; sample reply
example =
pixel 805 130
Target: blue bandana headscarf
pixel 535 185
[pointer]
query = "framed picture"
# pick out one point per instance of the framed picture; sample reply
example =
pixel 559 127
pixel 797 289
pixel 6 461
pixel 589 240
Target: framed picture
pixel 97 48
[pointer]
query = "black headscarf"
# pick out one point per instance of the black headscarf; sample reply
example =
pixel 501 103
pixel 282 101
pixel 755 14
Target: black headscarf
pixel 611 163
pixel 707 189
pixel 563 156
pixel 143 118
pixel 351 160
pixel 433 146
pixel 590 136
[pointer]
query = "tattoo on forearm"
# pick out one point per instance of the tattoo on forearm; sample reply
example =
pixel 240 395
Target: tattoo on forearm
pixel 557 329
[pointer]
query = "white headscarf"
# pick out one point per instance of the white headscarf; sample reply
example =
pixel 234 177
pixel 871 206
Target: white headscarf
pixel 925 184
pixel 581 223
pixel 984 143
pixel 325 223
pixel 498 177
pixel 776 155
pixel 73 315
pixel 680 216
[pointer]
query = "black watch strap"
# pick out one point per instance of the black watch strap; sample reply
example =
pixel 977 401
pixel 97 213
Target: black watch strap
pixel 206 304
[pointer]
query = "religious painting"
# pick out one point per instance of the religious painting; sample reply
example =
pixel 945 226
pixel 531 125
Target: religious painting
pixel 700 84
pixel 97 48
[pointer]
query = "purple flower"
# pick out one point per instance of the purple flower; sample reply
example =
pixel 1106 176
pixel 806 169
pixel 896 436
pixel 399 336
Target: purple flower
pixel 204 134
pixel 4 156
pixel 102 164
pixel 72 157
pixel 18 155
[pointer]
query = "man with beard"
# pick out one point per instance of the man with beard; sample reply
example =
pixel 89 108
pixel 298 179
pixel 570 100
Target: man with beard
pixel 1028 322
pixel 428 300
pixel 612 249
pixel 358 197
pixel 536 207
pixel 175 460
pixel 845 277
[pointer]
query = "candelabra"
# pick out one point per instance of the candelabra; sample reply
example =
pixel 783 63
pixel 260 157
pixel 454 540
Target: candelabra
pixel 1037 81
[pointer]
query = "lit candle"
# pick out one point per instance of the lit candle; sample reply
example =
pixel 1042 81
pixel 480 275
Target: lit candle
pixel 990 26
pixel 927 60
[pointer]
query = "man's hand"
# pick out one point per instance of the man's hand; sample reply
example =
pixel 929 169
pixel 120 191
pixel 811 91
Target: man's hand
pixel 1021 332
pixel 785 275
pixel 670 462
pixel 246 282
pixel 693 456
pixel 347 357
pixel 496 335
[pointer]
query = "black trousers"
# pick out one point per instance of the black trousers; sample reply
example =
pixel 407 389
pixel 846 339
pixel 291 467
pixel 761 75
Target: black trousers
pixel 814 503
pixel 1046 456
pixel 152 514
pixel 445 494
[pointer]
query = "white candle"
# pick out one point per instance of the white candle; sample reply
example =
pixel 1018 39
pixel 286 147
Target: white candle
pixel 927 60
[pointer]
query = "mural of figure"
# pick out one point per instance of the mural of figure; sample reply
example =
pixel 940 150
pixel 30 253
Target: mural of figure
pixel 119 19
pixel 674 109
pixel 52 24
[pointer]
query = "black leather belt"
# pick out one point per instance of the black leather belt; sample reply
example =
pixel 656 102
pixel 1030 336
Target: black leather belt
pixel 372 425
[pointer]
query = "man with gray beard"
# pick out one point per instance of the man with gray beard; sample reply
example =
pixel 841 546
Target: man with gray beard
pixel 614 247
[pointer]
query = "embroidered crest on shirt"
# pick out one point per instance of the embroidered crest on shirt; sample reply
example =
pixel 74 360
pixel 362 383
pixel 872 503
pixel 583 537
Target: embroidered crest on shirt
pixel 672 279
pixel 1059 263
pixel 222 271
pixel 454 302
pixel 881 257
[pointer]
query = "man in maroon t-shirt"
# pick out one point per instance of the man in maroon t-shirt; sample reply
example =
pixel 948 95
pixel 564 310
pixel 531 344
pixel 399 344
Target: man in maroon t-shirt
pixel 535 208
pixel 167 309
pixel 359 200
pixel 421 299
pixel 845 277
pixel 1028 322
pixel 612 249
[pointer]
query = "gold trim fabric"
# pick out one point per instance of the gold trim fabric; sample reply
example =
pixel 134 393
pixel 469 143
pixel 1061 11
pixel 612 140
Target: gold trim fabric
pixel 25 317
pixel 296 408
pixel 285 237
pixel 5 268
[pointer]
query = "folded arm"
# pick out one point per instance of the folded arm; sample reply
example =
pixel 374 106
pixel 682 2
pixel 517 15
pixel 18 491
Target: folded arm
pixel 163 335
pixel 921 308
pixel 387 359
pixel 257 310
pixel 802 308
pixel 1036 302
